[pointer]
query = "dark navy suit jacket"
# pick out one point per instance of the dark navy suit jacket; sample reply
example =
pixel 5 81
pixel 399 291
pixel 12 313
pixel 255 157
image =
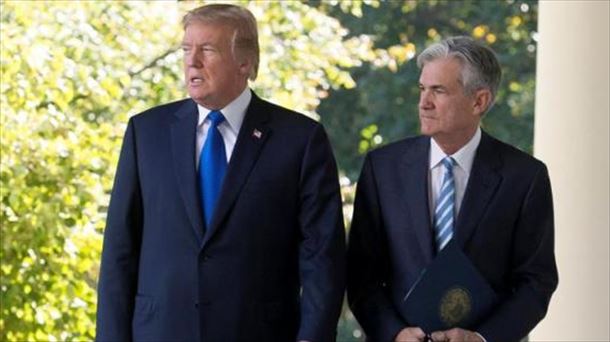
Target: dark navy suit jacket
pixel 270 266
pixel 505 226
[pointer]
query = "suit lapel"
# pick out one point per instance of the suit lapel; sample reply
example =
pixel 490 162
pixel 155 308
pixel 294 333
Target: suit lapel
pixel 414 179
pixel 183 137
pixel 482 184
pixel 252 136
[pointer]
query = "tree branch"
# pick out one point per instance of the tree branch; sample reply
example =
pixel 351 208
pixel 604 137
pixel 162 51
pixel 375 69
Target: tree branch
pixel 153 62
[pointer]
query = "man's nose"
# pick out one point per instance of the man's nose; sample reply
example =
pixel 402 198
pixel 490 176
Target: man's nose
pixel 424 100
pixel 192 59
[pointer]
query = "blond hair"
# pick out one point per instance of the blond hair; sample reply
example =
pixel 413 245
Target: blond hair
pixel 245 34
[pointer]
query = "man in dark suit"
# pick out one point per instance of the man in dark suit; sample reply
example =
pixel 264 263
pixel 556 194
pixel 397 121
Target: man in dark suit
pixel 225 221
pixel 455 182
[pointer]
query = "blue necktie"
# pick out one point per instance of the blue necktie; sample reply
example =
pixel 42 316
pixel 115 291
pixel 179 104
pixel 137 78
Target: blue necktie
pixel 212 166
pixel 445 204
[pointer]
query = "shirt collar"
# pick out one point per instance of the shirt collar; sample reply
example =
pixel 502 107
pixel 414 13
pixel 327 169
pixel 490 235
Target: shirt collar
pixel 234 112
pixel 464 157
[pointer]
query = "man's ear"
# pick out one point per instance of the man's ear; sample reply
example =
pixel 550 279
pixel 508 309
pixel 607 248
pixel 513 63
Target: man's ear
pixel 482 101
pixel 245 65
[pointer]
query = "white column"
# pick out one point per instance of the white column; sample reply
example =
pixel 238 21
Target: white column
pixel 571 137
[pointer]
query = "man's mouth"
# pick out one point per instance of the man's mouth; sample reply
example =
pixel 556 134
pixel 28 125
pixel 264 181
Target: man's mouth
pixel 196 80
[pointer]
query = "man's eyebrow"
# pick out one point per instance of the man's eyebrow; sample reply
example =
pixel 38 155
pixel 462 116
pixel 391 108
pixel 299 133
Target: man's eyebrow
pixel 202 44
pixel 433 86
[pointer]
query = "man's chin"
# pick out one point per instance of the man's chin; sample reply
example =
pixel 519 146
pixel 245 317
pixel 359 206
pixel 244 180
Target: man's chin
pixel 425 130
pixel 197 96
pixel 199 100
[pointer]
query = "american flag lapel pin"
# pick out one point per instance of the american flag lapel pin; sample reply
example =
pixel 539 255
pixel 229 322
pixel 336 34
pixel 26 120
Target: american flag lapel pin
pixel 257 134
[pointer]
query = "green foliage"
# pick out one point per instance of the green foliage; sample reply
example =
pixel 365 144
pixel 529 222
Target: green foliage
pixel 68 82
pixel 304 54
pixel 387 94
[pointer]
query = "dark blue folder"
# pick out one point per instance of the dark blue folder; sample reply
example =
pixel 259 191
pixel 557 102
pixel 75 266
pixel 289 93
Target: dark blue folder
pixel 449 293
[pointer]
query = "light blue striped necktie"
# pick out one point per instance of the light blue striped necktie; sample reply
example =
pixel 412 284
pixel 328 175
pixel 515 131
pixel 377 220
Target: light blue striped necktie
pixel 212 166
pixel 445 204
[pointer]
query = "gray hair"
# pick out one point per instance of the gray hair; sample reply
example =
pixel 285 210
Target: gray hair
pixel 480 67
pixel 240 19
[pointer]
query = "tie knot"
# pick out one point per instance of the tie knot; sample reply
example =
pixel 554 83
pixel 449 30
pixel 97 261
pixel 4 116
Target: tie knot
pixel 448 162
pixel 216 117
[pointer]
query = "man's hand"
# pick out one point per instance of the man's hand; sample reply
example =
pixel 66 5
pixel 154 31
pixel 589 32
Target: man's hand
pixel 456 335
pixel 413 334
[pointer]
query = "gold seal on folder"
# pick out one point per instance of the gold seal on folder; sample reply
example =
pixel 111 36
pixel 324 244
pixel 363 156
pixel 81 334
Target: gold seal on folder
pixel 455 306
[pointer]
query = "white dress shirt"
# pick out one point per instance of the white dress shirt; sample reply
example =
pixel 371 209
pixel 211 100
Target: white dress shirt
pixel 461 171
pixel 234 114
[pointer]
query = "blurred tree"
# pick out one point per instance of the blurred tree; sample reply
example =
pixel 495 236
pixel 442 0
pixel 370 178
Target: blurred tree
pixel 383 108
pixel 71 74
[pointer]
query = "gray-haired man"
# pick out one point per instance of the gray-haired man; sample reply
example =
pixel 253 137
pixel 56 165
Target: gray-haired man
pixel 500 209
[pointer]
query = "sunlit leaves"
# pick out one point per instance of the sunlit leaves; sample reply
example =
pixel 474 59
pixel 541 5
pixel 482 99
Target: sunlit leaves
pixel 65 76
pixel 304 51
pixel 369 138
